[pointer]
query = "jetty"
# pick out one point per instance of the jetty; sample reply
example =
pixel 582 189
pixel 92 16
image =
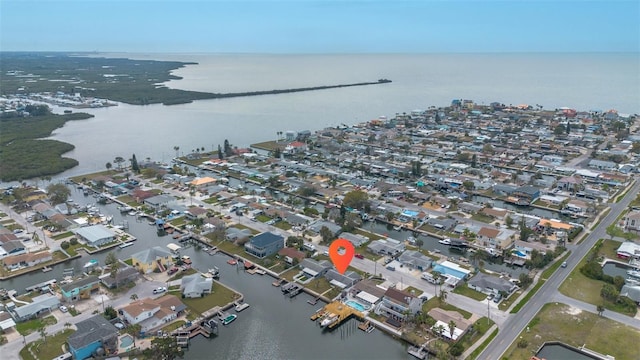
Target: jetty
pixel 41 285
pixel 418 352
pixel 337 309
pixel 366 326
pixel 292 289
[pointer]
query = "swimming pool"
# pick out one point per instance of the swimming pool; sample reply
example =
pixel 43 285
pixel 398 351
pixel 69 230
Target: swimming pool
pixel 520 254
pixel 126 341
pixel 356 305
pixel 448 271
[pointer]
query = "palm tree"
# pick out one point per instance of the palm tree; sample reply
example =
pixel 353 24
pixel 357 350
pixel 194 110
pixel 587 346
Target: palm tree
pixel 443 295
pixel 176 148
pixel 134 297
pixel 43 333
pixel 67 325
pixel 452 328
pixel 436 277
pixel 133 330
pixel 600 309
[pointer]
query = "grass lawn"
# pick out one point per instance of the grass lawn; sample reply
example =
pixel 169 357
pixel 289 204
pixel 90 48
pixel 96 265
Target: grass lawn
pixel 468 292
pixel 609 248
pixel 220 296
pixel 90 177
pixel 480 327
pixel 282 225
pixel 482 218
pixel 263 218
pixel 182 274
pixel 435 302
pixel 177 222
pixel 240 226
pixel 576 328
pixel 583 288
pixel 319 285
pixel 50 349
pixel 370 235
pixel 289 274
pixel 27 327
pixel 173 326
pixel 129 200
pixel 62 235
pixel 129 262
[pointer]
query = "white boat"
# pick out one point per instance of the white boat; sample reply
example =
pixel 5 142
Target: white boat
pixel 127 244
pixel 229 319
pixel 445 241
pixel 260 271
pixel 330 319
pixel 90 263
pixel 397 228
pixel 132 213
pixel 240 307
pixel 46 269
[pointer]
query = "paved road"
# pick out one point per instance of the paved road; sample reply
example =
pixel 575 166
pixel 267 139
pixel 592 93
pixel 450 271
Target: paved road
pixel 516 323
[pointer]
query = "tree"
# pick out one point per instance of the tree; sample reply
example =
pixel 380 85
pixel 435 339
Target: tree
pixel 452 328
pixel 220 153
pixel 108 166
pixel 134 331
pixel 508 221
pixel 443 295
pixel 356 199
pixel 277 153
pixel 176 148
pixel 227 148
pixel 67 325
pixel 600 309
pixel 43 333
pixel 58 193
pixel 559 130
pixel 134 164
pixel 114 265
pixel 609 292
pixel 488 149
pixel 119 160
pixel 133 297
pixel 166 348
pixel 110 313
pixel 474 161
pixel 326 234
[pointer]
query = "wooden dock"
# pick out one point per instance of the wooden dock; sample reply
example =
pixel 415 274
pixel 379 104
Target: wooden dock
pixel 366 326
pixel 343 311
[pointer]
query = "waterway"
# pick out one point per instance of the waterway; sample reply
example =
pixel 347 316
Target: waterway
pixel 557 351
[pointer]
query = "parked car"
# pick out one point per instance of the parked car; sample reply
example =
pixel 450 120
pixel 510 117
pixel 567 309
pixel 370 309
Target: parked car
pixel 564 264
pixel 359 256
pixel 391 267
pixel 159 290
pixel 63 308
pixel 497 298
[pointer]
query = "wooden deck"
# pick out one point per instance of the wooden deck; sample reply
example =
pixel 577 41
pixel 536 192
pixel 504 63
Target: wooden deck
pixel 343 311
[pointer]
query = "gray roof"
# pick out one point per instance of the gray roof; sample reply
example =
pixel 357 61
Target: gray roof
pixel 631 291
pixel 355 239
pixel 95 328
pixel 487 281
pixel 349 277
pixel 11 245
pixel 79 283
pixel 317 266
pixel 160 199
pixel 415 258
pixel 386 247
pixel 335 228
pixel 94 233
pixel 195 284
pixel 148 256
pixel 39 303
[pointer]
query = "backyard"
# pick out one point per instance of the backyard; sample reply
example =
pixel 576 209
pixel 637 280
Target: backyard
pixel 49 349
pixel 220 296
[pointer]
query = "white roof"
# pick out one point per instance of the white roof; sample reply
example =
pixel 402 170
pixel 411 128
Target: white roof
pixel 338 284
pixel 310 272
pixel 173 247
pixel 446 333
pixel 456 267
pixel 371 299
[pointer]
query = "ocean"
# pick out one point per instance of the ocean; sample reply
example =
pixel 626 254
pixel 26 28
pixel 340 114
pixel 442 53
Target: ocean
pixel 588 81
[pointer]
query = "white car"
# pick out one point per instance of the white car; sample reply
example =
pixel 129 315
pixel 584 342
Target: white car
pixel 63 308
pixel 159 290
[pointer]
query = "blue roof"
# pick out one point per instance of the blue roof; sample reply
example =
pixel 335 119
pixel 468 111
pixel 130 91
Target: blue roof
pixel 265 239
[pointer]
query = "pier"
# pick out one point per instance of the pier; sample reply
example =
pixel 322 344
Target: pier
pixel 41 285
pixel 337 309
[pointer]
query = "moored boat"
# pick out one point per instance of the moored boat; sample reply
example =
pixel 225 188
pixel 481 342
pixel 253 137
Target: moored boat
pixel 229 319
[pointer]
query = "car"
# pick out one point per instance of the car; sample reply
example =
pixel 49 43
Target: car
pixel 63 308
pixel 564 264
pixel 359 256
pixel 119 325
pixel 159 290
pixel 325 253
pixel 497 298
pixel 391 268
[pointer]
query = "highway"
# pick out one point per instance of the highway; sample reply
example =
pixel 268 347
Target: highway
pixel 515 324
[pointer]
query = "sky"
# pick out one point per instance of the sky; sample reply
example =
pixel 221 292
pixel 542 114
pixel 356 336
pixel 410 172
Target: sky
pixel 320 26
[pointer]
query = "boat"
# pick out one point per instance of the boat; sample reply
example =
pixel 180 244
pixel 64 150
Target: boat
pixel 232 262
pixel 90 263
pixel 132 213
pixel 124 245
pixel 125 208
pixel 329 319
pixel 248 265
pixel 46 269
pixel 397 228
pixel 240 307
pixel 215 272
pixel 366 326
pixel 278 282
pixel 260 272
pixel 445 241
pixel 229 319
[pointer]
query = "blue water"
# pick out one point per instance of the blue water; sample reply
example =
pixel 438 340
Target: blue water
pixel 126 341
pixel 356 305
pixel 445 270
pixel 410 213
pixel 518 253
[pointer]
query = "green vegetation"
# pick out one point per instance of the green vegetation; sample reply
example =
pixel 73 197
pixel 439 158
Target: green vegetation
pixel 173 326
pixel 468 292
pixel 528 296
pixel 480 327
pixel 62 235
pixel 482 346
pixel 25 155
pixel 559 322
pixel 27 327
pixel 49 349
pixel 220 296
pixel 436 302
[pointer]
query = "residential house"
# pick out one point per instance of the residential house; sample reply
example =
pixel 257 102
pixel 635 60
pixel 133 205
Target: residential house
pixel 79 289
pixel 397 304
pixel 38 305
pixel 149 260
pixel 91 334
pixel 125 274
pixel 444 318
pixel 318 225
pixel 342 280
pixel 387 247
pixel 292 253
pixel 628 250
pixel 95 235
pixel 12 247
pixel 196 213
pixel 195 286
pixel 6 321
pixel 488 284
pixel 415 260
pixel 313 268
pixel 236 234
pixel 632 222
pixel 603 165
pixel 356 239
pixel 159 201
pixel 632 292
pixel 153 313
pixel 15 262
pixel 265 244
pixel 200 183
pixel 570 183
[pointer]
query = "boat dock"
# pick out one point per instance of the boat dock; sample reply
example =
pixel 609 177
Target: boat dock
pixel 418 352
pixel 292 289
pixel 41 285
pixel 366 326
pixel 342 311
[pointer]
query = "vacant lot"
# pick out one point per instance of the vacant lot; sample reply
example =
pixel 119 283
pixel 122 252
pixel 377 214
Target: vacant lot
pixel 559 322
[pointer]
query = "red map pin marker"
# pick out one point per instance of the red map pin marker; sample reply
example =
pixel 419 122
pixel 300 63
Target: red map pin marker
pixel 341 260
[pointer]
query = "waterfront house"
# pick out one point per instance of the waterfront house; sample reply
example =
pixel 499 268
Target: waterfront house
pixel 152 259
pixel 356 239
pixel 396 304
pixel 200 183
pixel 387 247
pixel 196 213
pixel 632 292
pixel 159 201
pixel 79 289
pixel 628 250
pixel 632 221
pixel 15 262
pixel 152 313
pixel 445 317
pixel 313 268
pixel 488 284
pixel 195 286
pixel 95 235
pixel 602 165
pixel 342 280
pixel 318 225
pixel 415 260
pixel 570 183
pixel 125 274
pixel 290 253
pixel 38 306
pixel 11 247
pixel 265 244
pixel 91 334
pixel 367 292
pixel 236 234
